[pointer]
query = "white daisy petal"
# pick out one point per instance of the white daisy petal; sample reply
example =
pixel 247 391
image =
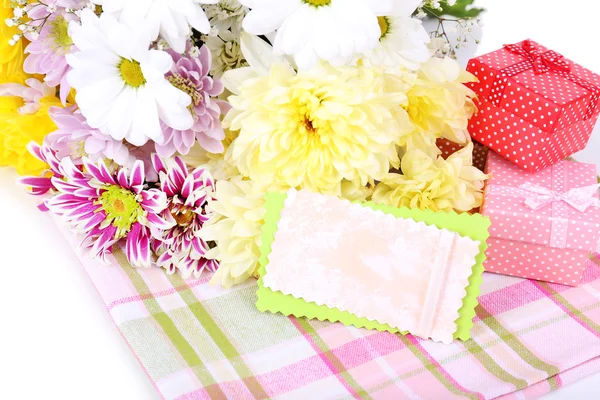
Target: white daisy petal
pixel 172 19
pixel 268 15
pixel 404 8
pixel 385 7
pixel 121 85
pixel 338 31
pixel 404 43
pixel 120 117
pixel 160 60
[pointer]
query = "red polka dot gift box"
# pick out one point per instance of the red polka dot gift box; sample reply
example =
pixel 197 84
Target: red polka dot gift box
pixel 535 106
pixel 545 224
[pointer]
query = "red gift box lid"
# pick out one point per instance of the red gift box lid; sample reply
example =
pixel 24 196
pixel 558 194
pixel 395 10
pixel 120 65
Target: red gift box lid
pixel 537 84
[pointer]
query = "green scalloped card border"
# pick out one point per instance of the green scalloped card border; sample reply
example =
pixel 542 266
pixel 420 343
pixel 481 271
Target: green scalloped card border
pixel 474 226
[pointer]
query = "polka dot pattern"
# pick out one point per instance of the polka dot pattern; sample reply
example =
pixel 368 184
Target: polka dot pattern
pixel 479 152
pixel 533 261
pixel 528 243
pixel 532 119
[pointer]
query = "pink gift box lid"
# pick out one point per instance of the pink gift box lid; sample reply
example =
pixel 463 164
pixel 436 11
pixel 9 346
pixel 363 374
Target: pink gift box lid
pixel 550 101
pixel 557 222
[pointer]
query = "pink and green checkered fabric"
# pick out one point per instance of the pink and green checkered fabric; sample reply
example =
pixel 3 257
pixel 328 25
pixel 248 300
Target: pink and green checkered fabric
pixel 196 341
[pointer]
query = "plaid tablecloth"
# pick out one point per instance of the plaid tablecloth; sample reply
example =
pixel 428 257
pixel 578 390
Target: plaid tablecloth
pixel 196 341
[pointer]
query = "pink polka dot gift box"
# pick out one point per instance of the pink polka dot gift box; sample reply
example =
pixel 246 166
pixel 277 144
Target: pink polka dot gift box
pixel 535 106
pixel 545 224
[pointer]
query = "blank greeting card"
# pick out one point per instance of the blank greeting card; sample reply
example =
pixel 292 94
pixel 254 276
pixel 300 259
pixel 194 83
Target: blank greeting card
pixel 365 265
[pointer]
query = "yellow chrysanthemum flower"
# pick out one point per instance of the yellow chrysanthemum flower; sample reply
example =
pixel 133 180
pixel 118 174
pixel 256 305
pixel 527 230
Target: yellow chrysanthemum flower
pixel 435 184
pixel 18 130
pixel 439 104
pixel 353 191
pixel 314 129
pixel 236 226
pixel 11 57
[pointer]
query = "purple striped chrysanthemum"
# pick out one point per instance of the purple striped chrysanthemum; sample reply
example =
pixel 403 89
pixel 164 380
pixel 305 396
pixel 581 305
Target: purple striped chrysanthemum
pixel 180 246
pixel 107 207
pixel 42 185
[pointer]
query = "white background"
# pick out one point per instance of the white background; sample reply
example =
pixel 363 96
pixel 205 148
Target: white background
pixel 56 338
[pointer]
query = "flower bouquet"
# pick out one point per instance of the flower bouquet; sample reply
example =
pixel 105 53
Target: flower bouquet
pixel 160 126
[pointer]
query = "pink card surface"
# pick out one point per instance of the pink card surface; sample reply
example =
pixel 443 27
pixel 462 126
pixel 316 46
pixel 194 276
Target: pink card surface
pixel 391 270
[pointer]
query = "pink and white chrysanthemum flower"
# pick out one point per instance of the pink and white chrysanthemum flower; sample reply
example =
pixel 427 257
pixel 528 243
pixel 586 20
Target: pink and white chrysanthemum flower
pixel 76 139
pixel 180 246
pixel 42 185
pixel 52 42
pixel 107 207
pixel 190 74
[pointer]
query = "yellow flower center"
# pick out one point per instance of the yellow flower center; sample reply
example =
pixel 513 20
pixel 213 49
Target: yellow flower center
pixel 78 148
pixel 384 25
pixel 318 3
pixel 187 86
pixel 59 33
pixel 308 124
pixel 131 72
pixel 121 207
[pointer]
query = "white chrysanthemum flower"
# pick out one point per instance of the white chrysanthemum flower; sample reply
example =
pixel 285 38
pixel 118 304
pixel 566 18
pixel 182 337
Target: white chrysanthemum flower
pixel 172 19
pixel 309 30
pixel 120 83
pixel 403 40
pixel 226 53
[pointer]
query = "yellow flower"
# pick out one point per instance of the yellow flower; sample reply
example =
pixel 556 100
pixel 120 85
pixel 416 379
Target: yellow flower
pixel 439 104
pixel 435 184
pixel 11 57
pixel 236 226
pixel 18 130
pixel 354 191
pixel 316 128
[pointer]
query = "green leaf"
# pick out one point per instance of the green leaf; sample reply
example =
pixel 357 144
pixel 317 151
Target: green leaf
pixel 462 9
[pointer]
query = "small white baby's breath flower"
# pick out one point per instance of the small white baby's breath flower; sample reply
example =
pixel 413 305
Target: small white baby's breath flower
pixel 194 52
pixel 18 12
pixel 162 44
